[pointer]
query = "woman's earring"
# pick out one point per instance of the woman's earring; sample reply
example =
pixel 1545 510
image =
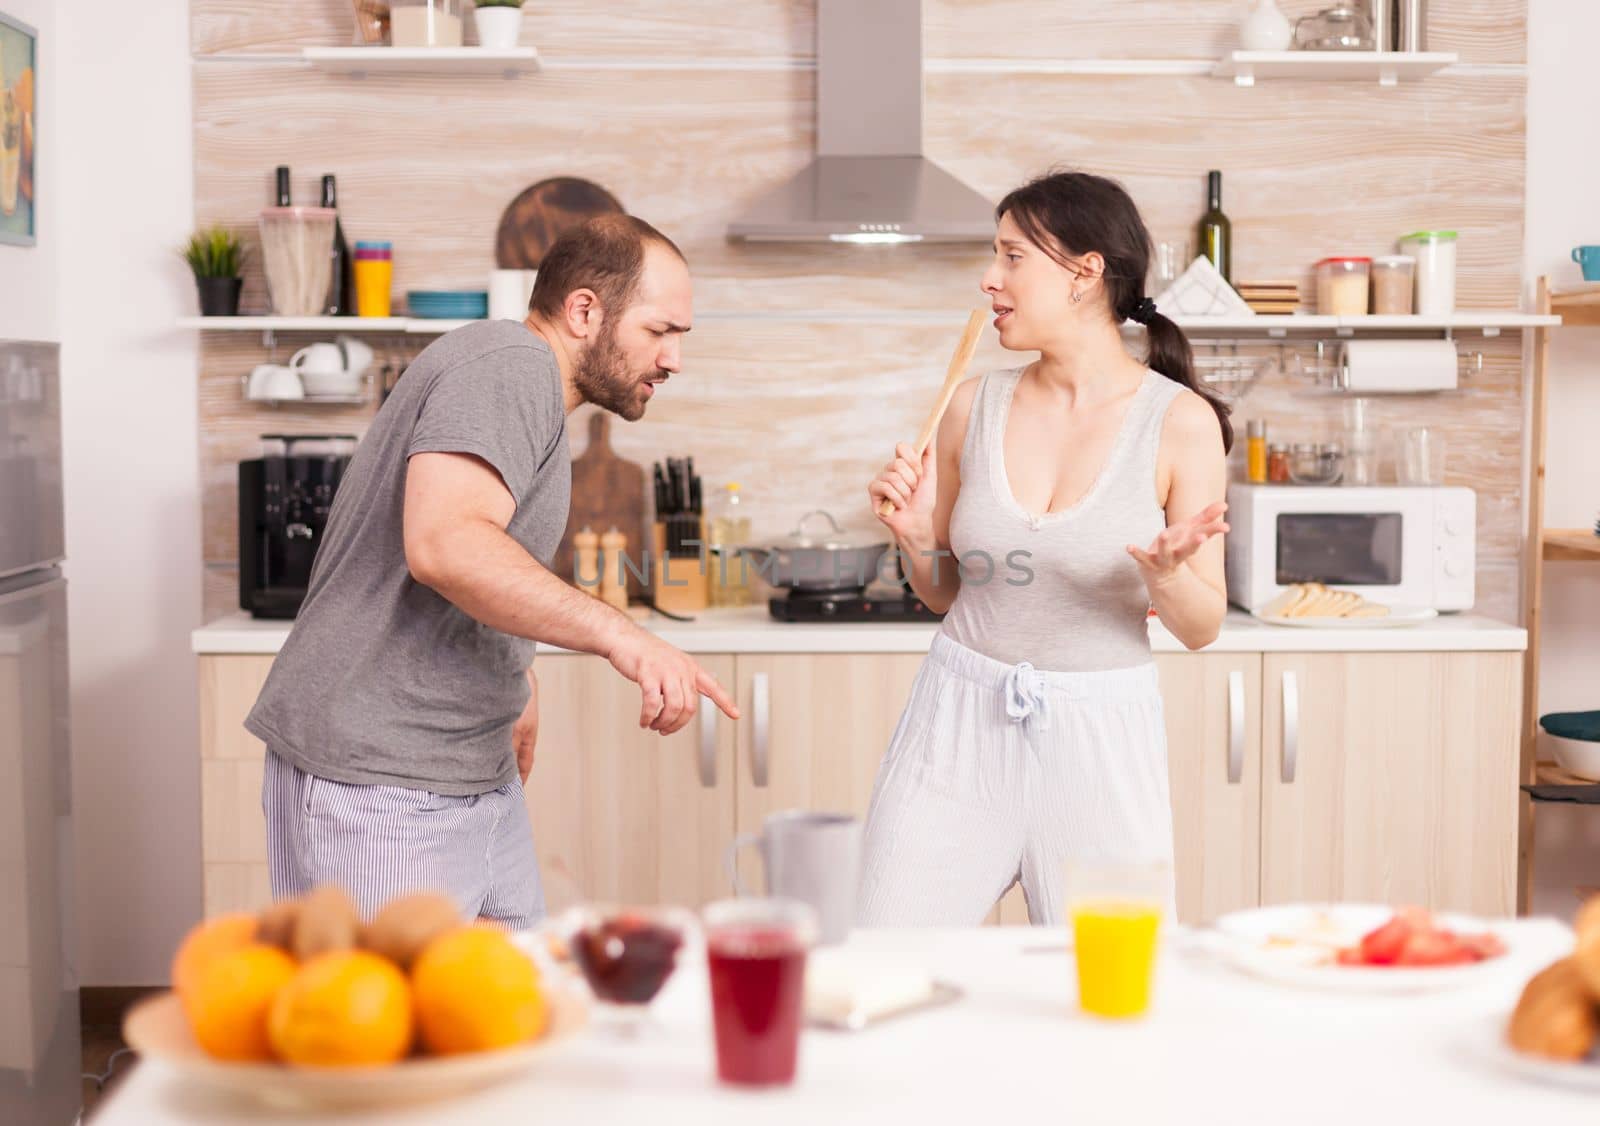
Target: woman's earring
pixel 1076 297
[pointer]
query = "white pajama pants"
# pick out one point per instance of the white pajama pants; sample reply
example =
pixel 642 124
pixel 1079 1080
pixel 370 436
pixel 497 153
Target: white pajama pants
pixel 999 773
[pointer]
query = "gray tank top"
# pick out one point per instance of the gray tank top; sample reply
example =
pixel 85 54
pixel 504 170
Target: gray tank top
pixel 1062 593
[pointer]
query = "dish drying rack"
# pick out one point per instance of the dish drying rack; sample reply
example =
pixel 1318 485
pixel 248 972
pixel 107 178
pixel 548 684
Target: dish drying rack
pixel 1231 377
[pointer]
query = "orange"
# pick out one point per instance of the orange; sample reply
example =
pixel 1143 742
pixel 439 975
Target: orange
pixel 346 1008
pixel 476 991
pixel 229 1011
pixel 204 944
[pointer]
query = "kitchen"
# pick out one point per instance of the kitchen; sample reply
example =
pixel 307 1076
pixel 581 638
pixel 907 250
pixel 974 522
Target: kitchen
pixel 1305 178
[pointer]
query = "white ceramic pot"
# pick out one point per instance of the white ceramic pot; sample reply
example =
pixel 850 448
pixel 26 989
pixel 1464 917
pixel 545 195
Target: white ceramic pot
pixel 498 28
pixel 1266 28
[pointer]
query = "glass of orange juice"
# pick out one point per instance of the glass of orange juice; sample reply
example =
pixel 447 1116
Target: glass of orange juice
pixel 1116 909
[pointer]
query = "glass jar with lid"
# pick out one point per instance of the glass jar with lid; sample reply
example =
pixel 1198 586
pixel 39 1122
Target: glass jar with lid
pixel 1343 27
pixel 426 23
pixel 1342 286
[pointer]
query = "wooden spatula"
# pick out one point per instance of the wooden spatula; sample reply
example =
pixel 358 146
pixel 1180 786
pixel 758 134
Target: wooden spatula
pixel 952 379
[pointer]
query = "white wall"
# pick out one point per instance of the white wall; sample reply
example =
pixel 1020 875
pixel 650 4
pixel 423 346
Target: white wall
pixel 28 274
pixel 124 178
pixel 1563 210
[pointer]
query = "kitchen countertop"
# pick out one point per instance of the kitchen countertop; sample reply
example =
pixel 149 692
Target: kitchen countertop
pixel 1216 1047
pixel 751 630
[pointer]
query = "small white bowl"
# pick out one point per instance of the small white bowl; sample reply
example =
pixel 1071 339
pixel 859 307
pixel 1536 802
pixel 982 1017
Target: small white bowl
pixel 1579 756
pixel 340 383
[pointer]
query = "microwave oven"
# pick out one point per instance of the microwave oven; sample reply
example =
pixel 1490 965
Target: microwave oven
pixel 1399 545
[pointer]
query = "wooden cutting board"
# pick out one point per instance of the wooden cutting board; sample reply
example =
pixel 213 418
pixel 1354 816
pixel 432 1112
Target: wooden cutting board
pixel 543 213
pixel 607 491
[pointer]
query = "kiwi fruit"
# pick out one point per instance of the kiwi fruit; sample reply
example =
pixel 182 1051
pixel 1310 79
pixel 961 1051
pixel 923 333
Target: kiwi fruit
pixel 275 925
pixel 327 920
pixel 408 923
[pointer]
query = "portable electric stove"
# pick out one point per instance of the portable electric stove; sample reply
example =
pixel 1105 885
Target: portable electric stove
pixel 855 605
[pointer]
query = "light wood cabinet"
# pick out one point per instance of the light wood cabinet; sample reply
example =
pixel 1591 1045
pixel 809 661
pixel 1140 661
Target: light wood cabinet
pixel 1403 783
pixel 233 832
pixel 1212 703
pixel 1391 777
pixel 619 813
pixel 814 729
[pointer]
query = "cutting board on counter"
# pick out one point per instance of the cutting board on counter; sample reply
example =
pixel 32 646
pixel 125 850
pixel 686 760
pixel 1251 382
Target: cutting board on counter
pixel 607 491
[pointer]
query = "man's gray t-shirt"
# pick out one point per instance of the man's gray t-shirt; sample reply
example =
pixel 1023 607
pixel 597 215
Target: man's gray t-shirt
pixel 382 681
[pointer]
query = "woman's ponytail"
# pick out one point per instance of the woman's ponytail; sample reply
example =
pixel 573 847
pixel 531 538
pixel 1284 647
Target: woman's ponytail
pixel 1171 355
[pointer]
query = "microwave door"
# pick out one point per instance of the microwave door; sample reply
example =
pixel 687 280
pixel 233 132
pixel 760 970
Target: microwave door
pixel 1357 550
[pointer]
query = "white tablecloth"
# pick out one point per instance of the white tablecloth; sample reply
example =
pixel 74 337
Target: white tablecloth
pixel 1217 1046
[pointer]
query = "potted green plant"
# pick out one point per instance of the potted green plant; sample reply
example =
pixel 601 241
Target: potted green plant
pixel 217 258
pixel 499 23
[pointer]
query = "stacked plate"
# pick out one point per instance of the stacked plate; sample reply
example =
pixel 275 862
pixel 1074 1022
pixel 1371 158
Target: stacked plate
pixel 1271 296
pixel 448 304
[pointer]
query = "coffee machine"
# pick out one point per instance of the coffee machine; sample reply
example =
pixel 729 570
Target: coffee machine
pixel 285 496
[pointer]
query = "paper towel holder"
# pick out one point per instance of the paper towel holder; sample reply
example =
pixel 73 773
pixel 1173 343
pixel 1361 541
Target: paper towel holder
pixel 1467 364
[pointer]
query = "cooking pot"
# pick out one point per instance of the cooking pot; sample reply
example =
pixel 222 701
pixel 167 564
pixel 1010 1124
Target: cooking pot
pixel 806 559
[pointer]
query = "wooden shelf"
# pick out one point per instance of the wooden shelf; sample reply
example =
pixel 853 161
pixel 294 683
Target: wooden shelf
pixel 1489 321
pixel 294 324
pixel 1577 306
pixel 423 60
pixel 1386 68
pixel 1567 544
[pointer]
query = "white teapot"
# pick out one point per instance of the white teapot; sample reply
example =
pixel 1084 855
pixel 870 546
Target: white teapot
pixel 332 369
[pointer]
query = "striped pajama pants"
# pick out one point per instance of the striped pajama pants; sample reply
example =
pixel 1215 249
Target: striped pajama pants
pixel 378 842
pixel 1001 773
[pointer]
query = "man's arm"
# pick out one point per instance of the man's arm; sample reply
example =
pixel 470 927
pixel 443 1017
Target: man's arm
pixel 456 512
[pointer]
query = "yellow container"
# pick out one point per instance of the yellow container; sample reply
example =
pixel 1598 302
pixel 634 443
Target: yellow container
pixel 1115 941
pixel 374 272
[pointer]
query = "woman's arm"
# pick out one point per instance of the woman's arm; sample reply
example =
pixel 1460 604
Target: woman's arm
pixel 924 497
pixel 1183 567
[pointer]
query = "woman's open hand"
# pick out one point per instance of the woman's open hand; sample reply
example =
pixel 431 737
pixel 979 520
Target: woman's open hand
pixel 1176 543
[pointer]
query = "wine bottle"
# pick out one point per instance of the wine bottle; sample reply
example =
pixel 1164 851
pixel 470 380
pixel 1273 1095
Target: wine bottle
pixel 283 185
pixel 1216 233
pixel 342 286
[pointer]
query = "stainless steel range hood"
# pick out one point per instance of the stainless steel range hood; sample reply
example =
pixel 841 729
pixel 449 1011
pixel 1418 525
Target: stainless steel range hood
pixel 869 181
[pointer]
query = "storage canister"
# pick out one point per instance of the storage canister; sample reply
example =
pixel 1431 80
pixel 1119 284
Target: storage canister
pixel 1392 281
pixel 1342 286
pixel 1435 252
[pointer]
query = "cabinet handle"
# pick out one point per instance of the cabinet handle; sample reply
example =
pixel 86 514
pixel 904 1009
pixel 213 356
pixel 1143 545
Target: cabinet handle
pixel 760 707
pixel 1291 724
pixel 708 744
pixel 1235 726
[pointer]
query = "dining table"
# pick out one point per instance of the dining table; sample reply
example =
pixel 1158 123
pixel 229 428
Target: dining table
pixel 1218 1044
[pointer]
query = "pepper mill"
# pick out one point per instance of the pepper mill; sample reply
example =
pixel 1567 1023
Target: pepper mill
pixel 613 586
pixel 586 561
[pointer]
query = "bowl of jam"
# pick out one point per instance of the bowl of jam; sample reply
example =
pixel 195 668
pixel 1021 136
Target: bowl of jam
pixel 627 954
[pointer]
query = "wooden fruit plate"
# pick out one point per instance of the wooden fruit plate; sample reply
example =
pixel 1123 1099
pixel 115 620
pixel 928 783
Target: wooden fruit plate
pixel 158 1030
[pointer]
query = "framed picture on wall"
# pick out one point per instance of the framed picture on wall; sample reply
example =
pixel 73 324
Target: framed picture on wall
pixel 18 198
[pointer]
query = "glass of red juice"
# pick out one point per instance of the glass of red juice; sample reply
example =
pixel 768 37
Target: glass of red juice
pixel 756 953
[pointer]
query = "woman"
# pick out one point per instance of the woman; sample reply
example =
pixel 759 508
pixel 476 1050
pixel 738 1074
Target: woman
pixel 1077 492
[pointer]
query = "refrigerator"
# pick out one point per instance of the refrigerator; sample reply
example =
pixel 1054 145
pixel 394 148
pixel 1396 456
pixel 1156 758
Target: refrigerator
pixel 40 1053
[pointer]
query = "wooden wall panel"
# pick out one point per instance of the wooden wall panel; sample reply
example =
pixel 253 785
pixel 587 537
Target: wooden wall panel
pixel 788 387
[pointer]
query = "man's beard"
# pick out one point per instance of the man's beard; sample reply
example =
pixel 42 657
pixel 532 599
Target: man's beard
pixel 601 376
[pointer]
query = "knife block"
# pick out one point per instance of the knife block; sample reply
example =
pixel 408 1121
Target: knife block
pixel 680 584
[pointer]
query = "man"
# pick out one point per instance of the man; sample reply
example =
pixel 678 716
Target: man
pixel 392 711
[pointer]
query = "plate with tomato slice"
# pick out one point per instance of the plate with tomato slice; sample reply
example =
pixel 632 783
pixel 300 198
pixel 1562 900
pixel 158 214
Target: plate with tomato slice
pixel 1361 947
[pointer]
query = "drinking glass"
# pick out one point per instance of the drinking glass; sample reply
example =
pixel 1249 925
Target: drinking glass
pixel 1116 908
pixel 1171 260
pixel 756 953
pixel 1421 458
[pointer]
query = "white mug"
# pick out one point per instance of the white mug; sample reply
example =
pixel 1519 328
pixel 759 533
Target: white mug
pixel 273 381
pixel 812 857
pixel 508 299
